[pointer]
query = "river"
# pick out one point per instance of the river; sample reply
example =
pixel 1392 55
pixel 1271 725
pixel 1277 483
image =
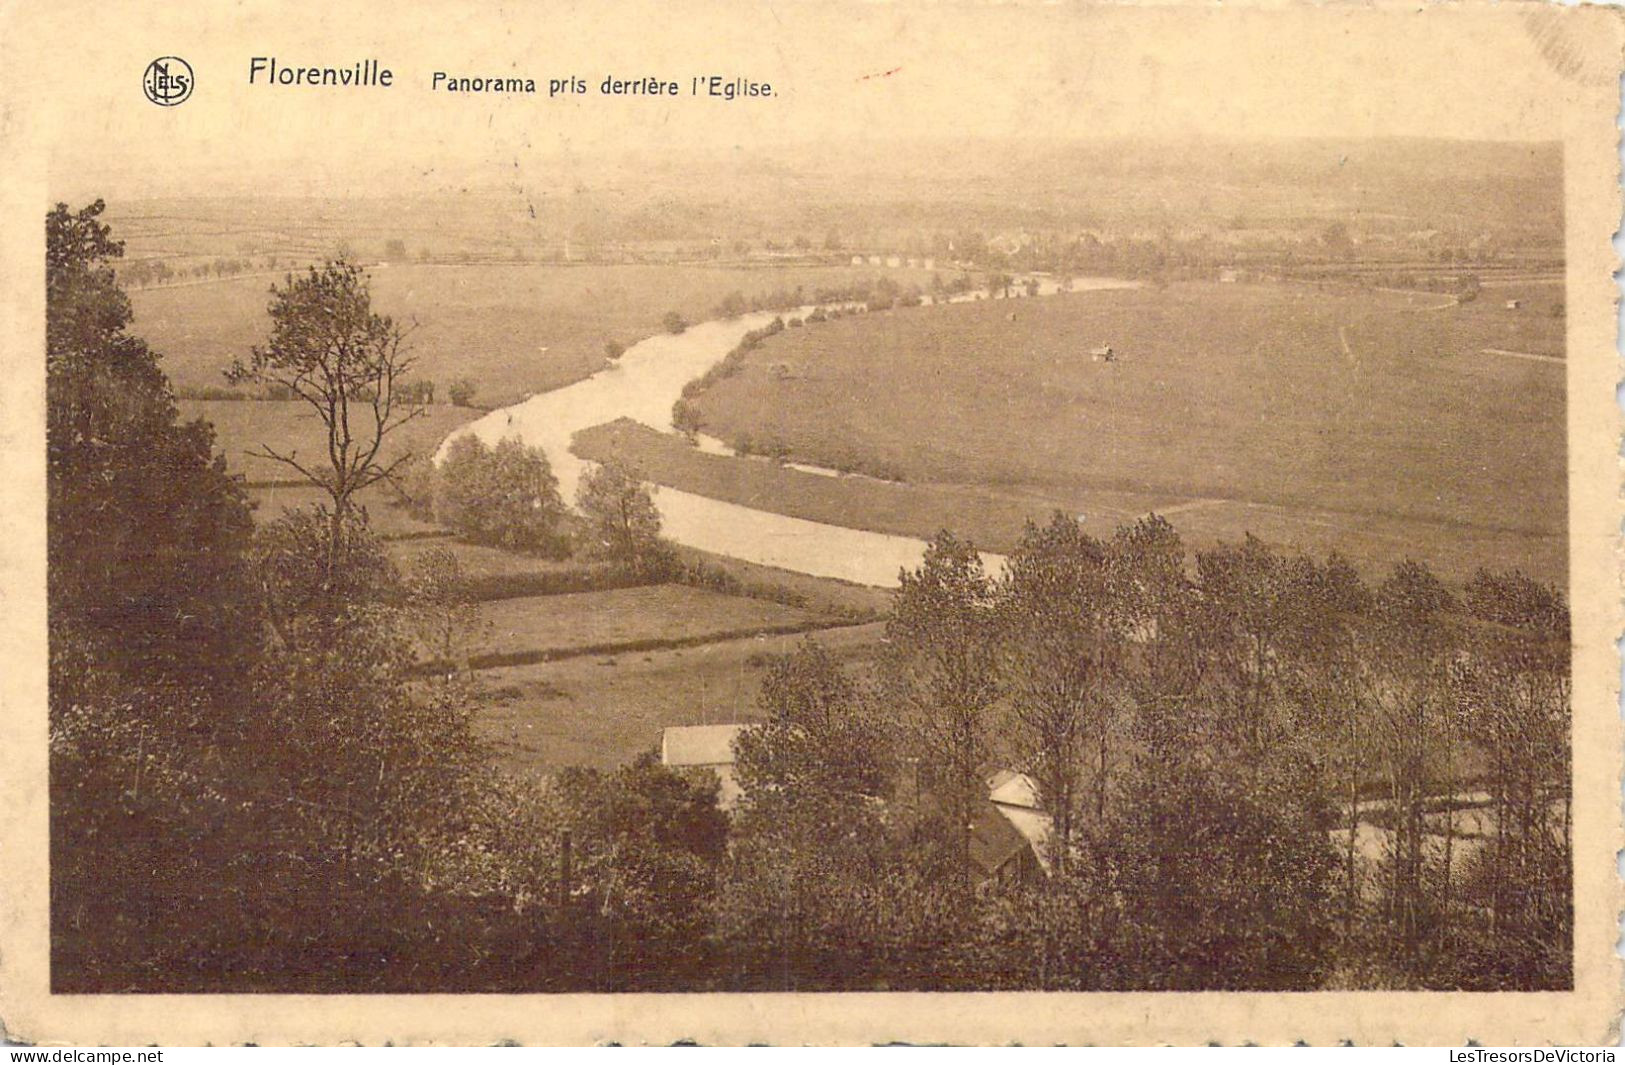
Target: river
pixel 642 385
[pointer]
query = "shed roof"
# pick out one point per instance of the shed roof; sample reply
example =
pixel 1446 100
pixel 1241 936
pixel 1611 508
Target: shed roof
pixel 698 744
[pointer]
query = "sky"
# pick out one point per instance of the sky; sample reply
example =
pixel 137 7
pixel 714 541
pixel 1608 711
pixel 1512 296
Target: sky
pixel 876 73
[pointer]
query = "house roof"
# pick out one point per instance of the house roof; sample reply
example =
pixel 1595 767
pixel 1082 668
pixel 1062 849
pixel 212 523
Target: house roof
pixel 1009 788
pixel 993 839
pixel 1033 827
pixel 698 744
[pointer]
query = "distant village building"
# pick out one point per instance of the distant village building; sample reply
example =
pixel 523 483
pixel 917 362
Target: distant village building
pixel 1513 305
pixel 1103 353
pixel 857 260
pixel 1228 277
pixel 704 747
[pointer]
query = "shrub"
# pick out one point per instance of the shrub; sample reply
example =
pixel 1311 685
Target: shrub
pixel 505 497
pixel 415 393
pixel 413 487
pixel 685 417
pixel 623 523
pixel 461 392
pixel 732 305
pixel 210 392
pixel 614 349
pixel 673 323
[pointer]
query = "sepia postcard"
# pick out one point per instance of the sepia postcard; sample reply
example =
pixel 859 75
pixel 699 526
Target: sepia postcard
pixel 809 523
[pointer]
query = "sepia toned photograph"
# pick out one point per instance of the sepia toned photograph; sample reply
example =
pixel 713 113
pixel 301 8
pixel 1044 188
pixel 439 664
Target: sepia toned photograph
pixel 1088 500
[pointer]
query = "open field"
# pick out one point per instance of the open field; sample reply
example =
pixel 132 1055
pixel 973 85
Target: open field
pixel 561 624
pixel 512 329
pixel 823 595
pixel 1346 402
pixel 292 426
pixel 481 563
pixel 605 710
pixel 389 522
pixel 993 516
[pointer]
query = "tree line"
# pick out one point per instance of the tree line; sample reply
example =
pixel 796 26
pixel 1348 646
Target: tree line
pixel 256 786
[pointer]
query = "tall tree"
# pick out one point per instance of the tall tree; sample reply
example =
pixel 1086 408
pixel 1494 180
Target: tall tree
pixel 1255 600
pixel 506 496
pixel 148 630
pixel 942 665
pixel 146 527
pixel 332 351
pixel 822 733
pixel 623 525
pixel 1155 611
pixel 1061 650
pixel 1407 688
pixel 1514 688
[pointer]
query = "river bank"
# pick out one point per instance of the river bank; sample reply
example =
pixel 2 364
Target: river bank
pixel 642 387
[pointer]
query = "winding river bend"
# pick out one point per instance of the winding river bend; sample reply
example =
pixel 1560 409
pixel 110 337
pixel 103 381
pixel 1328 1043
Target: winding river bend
pixel 642 385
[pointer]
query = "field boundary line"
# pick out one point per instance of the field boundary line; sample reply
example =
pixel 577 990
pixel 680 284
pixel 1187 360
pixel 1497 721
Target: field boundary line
pixel 1188 505
pixel 498 660
pixel 1530 355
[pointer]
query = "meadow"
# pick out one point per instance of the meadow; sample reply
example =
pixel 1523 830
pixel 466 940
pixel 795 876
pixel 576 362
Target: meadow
pixel 292 427
pixel 993 516
pixel 1377 411
pixel 512 329
pixel 603 710
pixel 552 626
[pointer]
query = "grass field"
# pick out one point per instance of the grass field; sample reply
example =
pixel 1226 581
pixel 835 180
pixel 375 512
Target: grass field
pixel 480 563
pixel 993 516
pixel 389 522
pixel 604 710
pixel 292 426
pixel 1354 403
pixel 561 623
pixel 512 329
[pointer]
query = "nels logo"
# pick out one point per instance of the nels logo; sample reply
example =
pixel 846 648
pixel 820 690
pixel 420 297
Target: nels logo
pixel 168 80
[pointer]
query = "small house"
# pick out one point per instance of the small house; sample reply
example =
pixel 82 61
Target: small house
pixel 1009 833
pixel 698 747
pixel 1513 305
pixel 1103 353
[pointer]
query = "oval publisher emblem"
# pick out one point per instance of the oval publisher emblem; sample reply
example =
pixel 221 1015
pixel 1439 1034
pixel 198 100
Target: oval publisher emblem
pixel 168 80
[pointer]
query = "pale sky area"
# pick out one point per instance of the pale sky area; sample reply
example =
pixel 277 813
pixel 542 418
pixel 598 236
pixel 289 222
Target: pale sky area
pixel 957 70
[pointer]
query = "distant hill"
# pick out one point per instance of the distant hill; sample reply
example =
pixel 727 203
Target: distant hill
pixel 870 192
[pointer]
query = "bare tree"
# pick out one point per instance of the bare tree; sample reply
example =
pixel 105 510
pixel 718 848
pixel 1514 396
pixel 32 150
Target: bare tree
pixel 331 350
